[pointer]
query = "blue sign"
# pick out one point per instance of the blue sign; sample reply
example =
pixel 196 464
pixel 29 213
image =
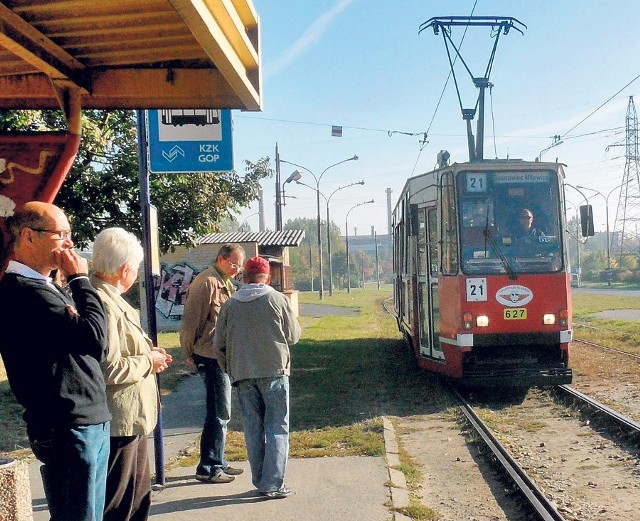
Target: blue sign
pixel 189 140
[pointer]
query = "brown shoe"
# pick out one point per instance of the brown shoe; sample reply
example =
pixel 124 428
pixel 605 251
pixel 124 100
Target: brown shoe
pixel 220 477
pixel 231 471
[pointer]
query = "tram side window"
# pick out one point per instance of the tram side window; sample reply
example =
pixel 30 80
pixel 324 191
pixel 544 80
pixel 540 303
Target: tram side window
pixel 422 243
pixel 449 227
pixel 434 250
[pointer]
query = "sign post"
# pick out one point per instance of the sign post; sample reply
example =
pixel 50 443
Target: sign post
pixel 195 140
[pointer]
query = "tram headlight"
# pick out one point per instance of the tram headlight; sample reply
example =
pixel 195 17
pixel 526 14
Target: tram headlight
pixel 482 321
pixel 549 319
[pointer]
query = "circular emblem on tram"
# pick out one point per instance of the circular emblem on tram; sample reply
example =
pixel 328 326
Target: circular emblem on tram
pixel 514 295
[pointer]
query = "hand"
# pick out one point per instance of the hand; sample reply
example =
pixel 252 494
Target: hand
pixel 167 357
pixel 159 361
pixel 189 361
pixel 70 263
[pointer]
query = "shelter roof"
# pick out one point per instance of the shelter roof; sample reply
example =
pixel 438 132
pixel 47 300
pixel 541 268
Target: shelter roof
pixel 282 238
pixel 130 54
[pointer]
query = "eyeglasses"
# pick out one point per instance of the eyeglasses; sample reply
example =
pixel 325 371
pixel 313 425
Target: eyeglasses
pixel 62 234
pixel 234 266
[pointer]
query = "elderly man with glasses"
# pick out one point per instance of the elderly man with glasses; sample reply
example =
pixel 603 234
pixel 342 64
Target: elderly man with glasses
pixel 206 294
pixel 52 345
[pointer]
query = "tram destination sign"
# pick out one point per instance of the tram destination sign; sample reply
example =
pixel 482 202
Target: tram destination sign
pixel 521 177
pixel 189 140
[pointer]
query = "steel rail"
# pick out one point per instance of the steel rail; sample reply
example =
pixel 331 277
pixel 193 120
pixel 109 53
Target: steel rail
pixel 621 419
pixel 607 348
pixel 536 498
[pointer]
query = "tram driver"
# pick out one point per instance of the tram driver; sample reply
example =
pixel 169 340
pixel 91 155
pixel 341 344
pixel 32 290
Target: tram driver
pixel 526 232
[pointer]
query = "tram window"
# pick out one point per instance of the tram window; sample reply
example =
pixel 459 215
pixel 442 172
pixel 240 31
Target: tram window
pixel 496 237
pixel 434 250
pixel 449 227
pixel 422 243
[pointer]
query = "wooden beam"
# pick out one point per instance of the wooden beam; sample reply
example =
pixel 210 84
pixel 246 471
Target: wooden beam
pixel 216 43
pixel 26 42
pixel 128 89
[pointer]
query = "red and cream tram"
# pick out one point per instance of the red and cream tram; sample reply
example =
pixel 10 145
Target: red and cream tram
pixel 482 296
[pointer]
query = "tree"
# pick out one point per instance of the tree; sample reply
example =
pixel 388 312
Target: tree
pixel 102 188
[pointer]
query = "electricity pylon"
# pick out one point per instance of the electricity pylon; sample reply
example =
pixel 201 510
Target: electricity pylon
pixel 628 213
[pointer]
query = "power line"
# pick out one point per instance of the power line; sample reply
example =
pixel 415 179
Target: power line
pixel 314 123
pixel 596 110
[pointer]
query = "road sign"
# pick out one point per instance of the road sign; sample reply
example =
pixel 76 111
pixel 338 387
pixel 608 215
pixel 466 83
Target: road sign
pixel 195 140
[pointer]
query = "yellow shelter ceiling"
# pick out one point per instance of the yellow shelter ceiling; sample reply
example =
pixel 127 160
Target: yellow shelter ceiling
pixel 130 54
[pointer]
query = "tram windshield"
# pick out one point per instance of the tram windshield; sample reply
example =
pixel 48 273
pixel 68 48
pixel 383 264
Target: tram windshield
pixel 509 222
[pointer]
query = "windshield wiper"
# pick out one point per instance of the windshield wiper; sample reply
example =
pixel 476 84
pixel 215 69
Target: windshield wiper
pixel 496 249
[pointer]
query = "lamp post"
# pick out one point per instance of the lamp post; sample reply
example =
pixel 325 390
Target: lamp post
pixel 606 209
pixel 329 233
pixel 589 220
pixel 577 237
pixel 318 179
pixel 280 198
pixel 346 237
pixel 327 200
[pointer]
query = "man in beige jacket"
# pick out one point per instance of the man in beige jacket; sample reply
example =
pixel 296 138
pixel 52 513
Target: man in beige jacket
pixel 206 294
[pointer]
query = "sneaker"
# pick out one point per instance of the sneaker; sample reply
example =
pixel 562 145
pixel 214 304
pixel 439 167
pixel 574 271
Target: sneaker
pixel 231 471
pixel 219 477
pixel 282 493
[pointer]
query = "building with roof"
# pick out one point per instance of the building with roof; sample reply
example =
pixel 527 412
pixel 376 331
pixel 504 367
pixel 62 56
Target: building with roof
pixel 179 268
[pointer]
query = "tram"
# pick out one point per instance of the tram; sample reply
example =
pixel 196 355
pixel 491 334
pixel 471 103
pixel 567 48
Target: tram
pixel 478 299
pixel 482 290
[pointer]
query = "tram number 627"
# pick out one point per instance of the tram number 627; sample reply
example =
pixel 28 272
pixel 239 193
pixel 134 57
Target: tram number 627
pixel 515 314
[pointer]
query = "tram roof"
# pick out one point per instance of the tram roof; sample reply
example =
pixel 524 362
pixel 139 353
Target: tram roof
pixel 130 54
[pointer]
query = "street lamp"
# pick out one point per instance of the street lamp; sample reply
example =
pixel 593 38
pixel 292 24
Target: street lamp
pixel 318 179
pixel 606 209
pixel 327 200
pixel 240 228
pixel 346 236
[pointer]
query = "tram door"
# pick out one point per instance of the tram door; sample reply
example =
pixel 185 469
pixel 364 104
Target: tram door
pixel 428 258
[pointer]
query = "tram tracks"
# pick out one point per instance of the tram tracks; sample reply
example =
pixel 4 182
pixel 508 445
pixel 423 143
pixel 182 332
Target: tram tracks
pixel 542 499
pixel 541 505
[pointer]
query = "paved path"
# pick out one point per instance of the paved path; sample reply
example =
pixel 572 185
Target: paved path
pixel 349 488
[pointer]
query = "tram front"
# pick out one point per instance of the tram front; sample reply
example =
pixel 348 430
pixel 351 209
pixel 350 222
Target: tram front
pixel 514 320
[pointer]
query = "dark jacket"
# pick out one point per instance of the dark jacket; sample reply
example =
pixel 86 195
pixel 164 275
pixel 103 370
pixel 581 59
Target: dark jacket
pixel 51 347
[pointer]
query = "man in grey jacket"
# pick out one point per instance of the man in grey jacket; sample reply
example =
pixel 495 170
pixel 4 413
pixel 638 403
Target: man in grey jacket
pixel 255 328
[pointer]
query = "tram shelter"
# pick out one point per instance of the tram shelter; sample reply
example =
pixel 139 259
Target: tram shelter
pixel 126 54
pixel 131 54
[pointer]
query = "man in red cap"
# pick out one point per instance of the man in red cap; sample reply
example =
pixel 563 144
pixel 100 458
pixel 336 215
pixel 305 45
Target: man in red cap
pixel 255 328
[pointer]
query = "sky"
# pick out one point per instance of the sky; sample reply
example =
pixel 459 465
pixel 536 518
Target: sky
pixel 362 65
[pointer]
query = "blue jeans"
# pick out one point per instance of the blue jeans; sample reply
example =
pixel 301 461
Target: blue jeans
pixel 218 402
pixel 264 403
pixel 74 473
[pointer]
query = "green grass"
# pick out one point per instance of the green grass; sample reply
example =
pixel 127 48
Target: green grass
pixel 349 370
pixel 621 334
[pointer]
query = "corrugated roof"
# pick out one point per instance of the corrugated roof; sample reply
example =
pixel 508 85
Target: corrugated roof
pixel 283 238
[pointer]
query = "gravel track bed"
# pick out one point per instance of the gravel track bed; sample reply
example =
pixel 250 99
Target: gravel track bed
pixel 590 473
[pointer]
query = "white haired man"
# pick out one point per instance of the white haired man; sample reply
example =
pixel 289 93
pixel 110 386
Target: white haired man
pixel 129 372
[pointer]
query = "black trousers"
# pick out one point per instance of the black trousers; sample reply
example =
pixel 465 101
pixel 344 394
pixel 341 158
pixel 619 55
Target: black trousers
pixel 128 495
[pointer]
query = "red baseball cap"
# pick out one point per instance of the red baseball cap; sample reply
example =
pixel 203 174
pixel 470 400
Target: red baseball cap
pixel 257 265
